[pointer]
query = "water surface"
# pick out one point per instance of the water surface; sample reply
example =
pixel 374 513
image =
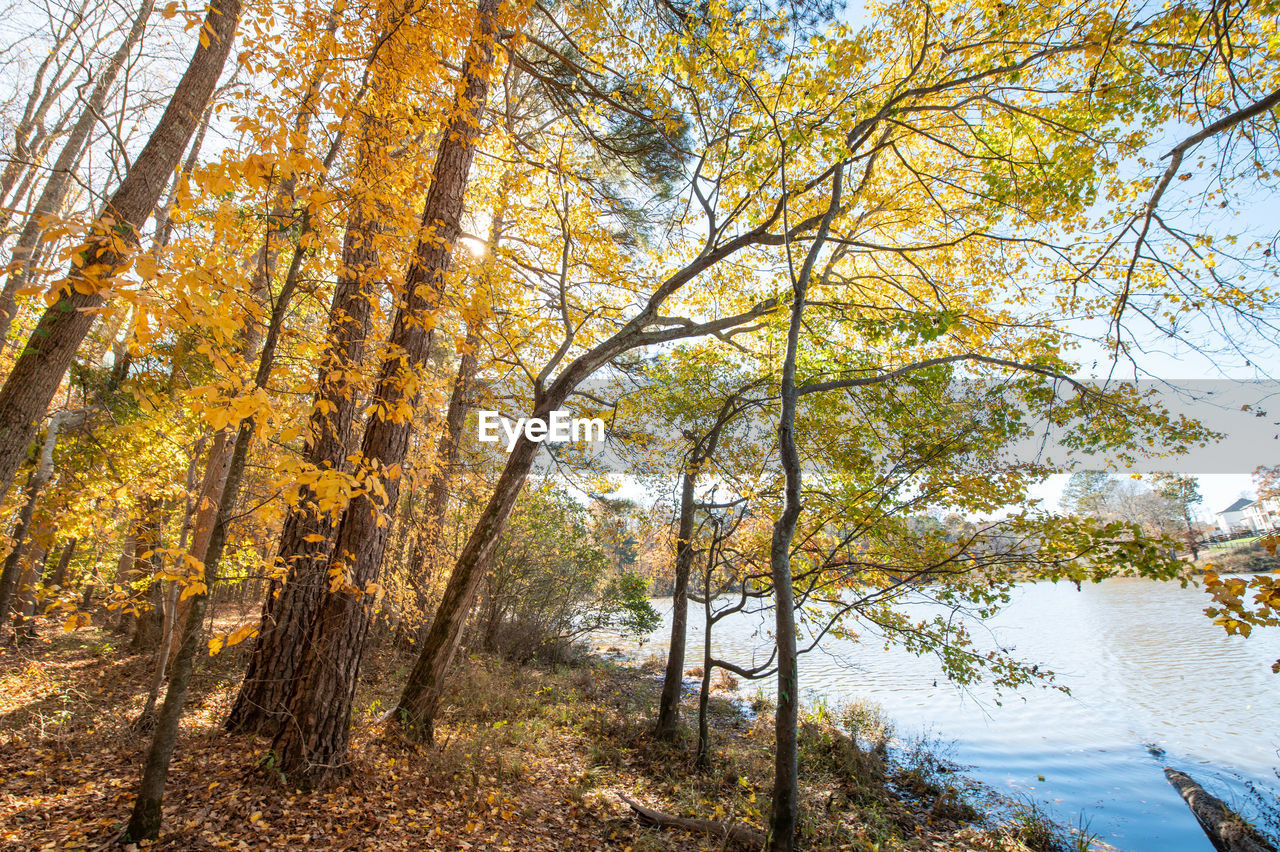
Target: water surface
pixel 1145 668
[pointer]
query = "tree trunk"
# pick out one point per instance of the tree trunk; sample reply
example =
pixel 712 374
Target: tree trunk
pixel 673 680
pixel 144 823
pixel 315 744
pixel 150 621
pixel 288 610
pixel 786 767
pixel 703 759
pixel 1226 830
pixel 24 627
pixel 40 368
pixel 35 484
pixel 59 578
pixel 440 485
pixel 27 250
pixel 420 700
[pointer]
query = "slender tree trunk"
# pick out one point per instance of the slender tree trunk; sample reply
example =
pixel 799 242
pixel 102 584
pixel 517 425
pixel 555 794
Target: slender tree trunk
pixel 703 760
pixel 35 485
pixel 144 823
pixel 40 368
pixel 314 745
pixel 26 250
pixel 673 680
pixel 288 610
pixel 28 134
pixel 786 767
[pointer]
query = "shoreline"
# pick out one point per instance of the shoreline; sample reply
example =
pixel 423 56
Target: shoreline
pixel 529 757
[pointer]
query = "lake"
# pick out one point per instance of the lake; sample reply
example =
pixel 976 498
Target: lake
pixel 1145 667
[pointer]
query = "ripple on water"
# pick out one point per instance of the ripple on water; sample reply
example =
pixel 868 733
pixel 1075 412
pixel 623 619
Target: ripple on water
pixel 1145 667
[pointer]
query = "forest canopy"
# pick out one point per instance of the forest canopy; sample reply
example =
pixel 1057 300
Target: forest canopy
pixel 816 269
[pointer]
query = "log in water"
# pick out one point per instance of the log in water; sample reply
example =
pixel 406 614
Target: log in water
pixel 1227 831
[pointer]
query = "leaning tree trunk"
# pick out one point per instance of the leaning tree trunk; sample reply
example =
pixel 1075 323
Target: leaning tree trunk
pixel 287 617
pixel 40 368
pixel 440 484
pixel 314 744
pixel 144 823
pixel 26 250
pixel 420 700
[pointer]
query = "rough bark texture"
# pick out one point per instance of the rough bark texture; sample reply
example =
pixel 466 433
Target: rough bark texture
pixel 27 250
pixel 289 609
pixel 313 743
pixel 40 368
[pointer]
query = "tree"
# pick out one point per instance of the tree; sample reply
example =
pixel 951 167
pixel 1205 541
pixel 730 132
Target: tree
pixel 1087 493
pixel 40 368
pixel 1182 493
pixel 321 701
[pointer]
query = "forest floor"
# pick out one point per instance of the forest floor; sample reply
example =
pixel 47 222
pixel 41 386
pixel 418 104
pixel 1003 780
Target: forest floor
pixel 527 758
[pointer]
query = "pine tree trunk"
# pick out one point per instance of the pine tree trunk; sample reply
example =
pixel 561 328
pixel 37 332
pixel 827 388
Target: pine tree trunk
pixel 288 611
pixel 44 361
pixel 314 745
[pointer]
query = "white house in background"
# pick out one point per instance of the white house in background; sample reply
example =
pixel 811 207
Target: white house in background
pixel 1263 515
pixel 1235 517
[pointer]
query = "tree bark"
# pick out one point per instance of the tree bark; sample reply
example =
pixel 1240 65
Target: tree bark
pixel 40 477
pixel 315 744
pixel 786 767
pixel 288 611
pixel 40 368
pixel 27 250
pixel 673 680
pixel 59 577
pixel 1226 830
